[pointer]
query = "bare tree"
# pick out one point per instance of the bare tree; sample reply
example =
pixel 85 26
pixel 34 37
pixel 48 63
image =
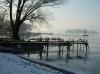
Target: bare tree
pixel 25 10
pixel 5 28
pixel 2 20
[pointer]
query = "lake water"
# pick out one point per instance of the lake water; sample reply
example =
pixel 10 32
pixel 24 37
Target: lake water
pixel 93 40
pixel 79 66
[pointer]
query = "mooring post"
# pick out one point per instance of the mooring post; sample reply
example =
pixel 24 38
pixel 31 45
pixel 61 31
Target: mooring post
pixel 45 47
pixel 80 50
pixel 80 46
pixel 62 49
pixel 40 54
pixel 68 51
pixel 83 48
pixel 28 48
pixel 73 46
pixel 59 52
pixel 86 53
pixel 47 51
pixel 77 48
pixel 41 50
pixel 83 45
pixel 28 54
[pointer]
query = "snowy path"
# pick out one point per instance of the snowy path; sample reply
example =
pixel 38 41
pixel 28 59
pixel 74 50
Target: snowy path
pixel 11 64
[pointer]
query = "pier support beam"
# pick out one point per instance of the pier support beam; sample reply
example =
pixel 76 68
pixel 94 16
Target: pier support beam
pixel 68 52
pixel 83 48
pixel 72 47
pixel 62 49
pixel 80 47
pixel 29 49
pixel 86 53
pixel 28 54
pixel 59 52
pixel 47 51
pixel 77 50
pixel 40 54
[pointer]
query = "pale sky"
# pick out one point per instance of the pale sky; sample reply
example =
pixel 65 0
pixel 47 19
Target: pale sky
pixel 76 14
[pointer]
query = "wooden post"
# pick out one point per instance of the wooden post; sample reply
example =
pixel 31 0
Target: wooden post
pixel 28 48
pixel 45 47
pixel 40 54
pixel 83 48
pixel 80 46
pixel 83 45
pixel 73 46
pixel 80 50
pixel 77 49
pixel 86 53
pixel 62 49
pixel 28 54
pixel 59 52
pixel 41 50
pixel 47 51
pixel 68 52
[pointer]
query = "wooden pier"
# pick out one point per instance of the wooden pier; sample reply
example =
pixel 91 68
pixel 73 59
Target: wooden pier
pixel 43 45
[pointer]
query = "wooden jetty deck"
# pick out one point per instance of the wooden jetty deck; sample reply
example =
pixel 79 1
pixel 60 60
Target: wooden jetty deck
pixel 42 45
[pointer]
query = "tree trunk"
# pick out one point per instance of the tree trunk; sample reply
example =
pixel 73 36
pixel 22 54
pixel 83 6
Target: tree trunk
pixel 15 32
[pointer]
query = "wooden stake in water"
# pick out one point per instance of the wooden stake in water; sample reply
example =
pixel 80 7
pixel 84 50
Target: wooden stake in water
pixel 29 48
pixel 68 52
pixel 86 53
pixel 77 49
pixel 47 51
pixel 62 49
pixel 73 46
pixel 59 52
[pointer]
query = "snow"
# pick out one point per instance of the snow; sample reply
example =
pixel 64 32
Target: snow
pixel 11 64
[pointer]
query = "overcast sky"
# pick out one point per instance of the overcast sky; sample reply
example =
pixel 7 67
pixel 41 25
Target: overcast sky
pixel 76 14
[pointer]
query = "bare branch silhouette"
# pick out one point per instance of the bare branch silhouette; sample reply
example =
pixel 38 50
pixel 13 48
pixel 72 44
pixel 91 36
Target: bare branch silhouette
pixel 26 10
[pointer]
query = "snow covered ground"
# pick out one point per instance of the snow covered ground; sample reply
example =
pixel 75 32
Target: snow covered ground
pixel 11 64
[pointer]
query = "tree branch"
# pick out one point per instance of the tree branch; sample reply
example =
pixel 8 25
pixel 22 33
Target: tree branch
pixel 11 19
